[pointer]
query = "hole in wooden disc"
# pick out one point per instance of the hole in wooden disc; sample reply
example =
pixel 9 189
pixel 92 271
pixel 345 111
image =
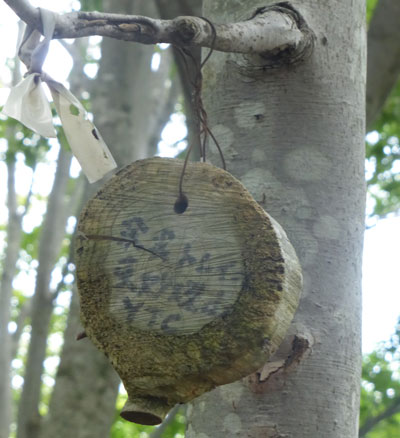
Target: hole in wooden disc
pixel 145 418
pixel 181 204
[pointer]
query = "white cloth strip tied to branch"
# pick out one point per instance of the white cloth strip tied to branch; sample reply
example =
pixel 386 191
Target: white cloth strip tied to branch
pixel 28 104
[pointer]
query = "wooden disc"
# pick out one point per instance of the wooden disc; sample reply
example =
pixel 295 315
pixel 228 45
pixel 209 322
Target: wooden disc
pixel 168 272
pixel 205 284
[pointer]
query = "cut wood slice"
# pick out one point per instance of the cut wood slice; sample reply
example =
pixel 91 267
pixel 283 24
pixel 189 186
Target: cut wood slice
pixel 182 293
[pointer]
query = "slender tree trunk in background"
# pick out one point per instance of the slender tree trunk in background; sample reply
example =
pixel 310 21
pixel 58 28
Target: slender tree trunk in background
pixel 168 99
pixel 383 68
pixel 52 234
pixel 128 103
pixel 14 234
pixel 128 95
pixel 83 400
pixel 8 271
pixel 188 70
pixel 23 315
pixel 295 137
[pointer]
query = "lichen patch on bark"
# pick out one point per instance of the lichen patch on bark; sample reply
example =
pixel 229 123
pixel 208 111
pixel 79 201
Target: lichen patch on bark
pixel 307 164
pixel 232 393
pixel 226 138
pixel 232 424
pixel 326 227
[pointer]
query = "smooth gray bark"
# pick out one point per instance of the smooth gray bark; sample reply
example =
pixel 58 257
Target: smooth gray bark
pixel 14 231
pixel 295 138
pixel 152 104
pixel 383 67
pixel 83 400
pixel 21 321
pixel 167 106
pixel 53 228
pixel 128 94
pixel 8 271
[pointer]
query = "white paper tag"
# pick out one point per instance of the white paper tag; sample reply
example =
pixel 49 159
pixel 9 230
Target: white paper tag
pixel 28 104
pixel 83 137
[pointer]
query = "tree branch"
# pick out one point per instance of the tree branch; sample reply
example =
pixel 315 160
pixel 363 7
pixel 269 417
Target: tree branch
pixel 383 66
pixel 274 29
pixel 158 432
pixel 372 422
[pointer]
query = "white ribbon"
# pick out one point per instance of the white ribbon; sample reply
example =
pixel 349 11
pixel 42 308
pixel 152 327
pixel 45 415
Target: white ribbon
pixel 28 104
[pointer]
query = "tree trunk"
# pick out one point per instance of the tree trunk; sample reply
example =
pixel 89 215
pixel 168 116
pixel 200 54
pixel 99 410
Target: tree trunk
pixel 83 401
pixel 9 262
pixel 8 271
pixel 295 138
pixel 128 100
pixel 128 95
pixel 383 66
pixel 52 234
pixel 188 70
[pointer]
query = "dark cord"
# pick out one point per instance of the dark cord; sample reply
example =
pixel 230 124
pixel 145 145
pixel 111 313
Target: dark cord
pixel 182 202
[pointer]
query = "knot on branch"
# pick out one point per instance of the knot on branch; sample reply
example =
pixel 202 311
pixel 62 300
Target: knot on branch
pixel 292 53
pixel 139 32
pixel 186 30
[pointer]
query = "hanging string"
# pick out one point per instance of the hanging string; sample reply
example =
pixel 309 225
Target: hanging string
pixel 182 202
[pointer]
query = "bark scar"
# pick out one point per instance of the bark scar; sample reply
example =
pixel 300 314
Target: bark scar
pixel 81 335
pixel 272 375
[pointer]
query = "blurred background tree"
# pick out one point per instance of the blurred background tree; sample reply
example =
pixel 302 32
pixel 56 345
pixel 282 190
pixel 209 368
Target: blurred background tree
pixel 383 108
pixel 380 390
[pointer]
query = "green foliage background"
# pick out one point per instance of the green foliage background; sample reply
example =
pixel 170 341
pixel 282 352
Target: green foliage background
pixel 384 156
pixel 380 389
